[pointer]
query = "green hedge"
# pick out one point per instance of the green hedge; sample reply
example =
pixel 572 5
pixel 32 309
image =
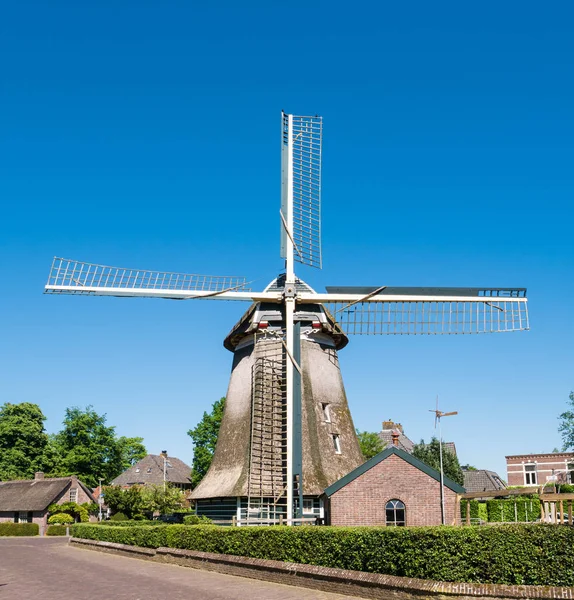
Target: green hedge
pixel 56 530
pixel 19 529
pixel 510 554
pixel 131 523
pixel 503 511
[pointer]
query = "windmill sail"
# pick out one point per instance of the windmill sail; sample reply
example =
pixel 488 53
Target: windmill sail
pixel 432 311
pixel 301 187
pixel 75 277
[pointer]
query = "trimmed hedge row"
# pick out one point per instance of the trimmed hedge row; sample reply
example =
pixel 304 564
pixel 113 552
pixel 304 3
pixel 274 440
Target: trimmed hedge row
pixel 522 510
pixel 19 529
pixel 56 530
pixel 131 523
pixel 509 554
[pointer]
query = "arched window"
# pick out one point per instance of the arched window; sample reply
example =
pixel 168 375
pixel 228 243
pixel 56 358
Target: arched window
pixel 395 513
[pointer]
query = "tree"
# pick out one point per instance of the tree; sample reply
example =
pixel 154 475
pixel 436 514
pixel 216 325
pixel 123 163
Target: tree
pixel 430 455
pixel 131 501
pixel 88 447
pixel 370 443
pixel 131 450
pixel 23 440
pixel 164 501
pixel 566 427
pixel 204 437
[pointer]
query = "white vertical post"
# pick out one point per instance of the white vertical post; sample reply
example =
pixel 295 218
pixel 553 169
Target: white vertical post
pixel 442 515
pixel 289 258
pixel 289 310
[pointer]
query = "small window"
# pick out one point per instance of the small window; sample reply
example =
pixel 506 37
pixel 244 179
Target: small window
pixel 73 494
pixel 149 470
pixel 308 506
pixel 337 443
pixel 23 517
pixel 326 412
pixel 137 470
pixel 530 474
pixel 395 513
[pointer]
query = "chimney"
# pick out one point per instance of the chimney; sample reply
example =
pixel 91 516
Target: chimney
pixel 391 425
pixel 38 475
pixel 164 453
pixel 395 434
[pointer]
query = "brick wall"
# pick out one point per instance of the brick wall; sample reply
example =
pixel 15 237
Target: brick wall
pixel 545 465
pixel 363 500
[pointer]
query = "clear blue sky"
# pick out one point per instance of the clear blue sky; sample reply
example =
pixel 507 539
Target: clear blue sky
pixel 146 134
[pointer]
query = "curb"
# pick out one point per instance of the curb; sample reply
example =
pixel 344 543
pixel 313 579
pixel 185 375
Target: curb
pixel 341 581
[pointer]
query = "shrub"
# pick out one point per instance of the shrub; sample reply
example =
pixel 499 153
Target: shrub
pixel 119 516
pixel 145 536
pixel 61 519
pixel 20 529
pixel 510 554
pixel 513 509
pixel 196 520
pixel 131 523
pixel 56 530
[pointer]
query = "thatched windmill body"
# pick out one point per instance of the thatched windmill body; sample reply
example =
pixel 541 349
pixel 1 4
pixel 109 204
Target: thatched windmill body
pixel 287 432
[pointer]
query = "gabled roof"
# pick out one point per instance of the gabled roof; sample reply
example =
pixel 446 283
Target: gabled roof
pixel 31 495
pixel 482 481
pixel 406 444
pixel 149 470
pixel 335 487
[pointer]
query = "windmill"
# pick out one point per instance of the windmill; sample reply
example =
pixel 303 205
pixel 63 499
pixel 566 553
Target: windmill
pixel 438 415
pixel 287 433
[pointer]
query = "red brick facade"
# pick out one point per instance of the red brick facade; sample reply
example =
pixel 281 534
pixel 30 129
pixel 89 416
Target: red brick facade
pixel 538 469
pixel 363 500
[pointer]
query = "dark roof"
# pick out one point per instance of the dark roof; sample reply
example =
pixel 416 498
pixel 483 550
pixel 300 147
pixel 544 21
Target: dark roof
pixel 335 487
pixel 386 435
pixel 149 470
pixel 482 481
pixel 35 494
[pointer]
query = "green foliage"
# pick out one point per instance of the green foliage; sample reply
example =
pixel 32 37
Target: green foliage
pixel 19 529
pixel 370 444
pixel 77 511
pixel 130 523
pixel 504 511
pixel 204 438
pixel 88 447
pixel 130 501
pixel 56 530
pixel 137 501
pixel 23 441
pixel 61 519
pixel 509 554
pixel 119 516
pixel 196 520
pixel 131 451
pixel 138 535
pixel 566 427
pixel 566 488
pixel 474 510
pixel 430 455
pixel 163 500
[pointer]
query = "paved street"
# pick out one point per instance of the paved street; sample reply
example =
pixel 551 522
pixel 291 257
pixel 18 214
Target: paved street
pixel 49 569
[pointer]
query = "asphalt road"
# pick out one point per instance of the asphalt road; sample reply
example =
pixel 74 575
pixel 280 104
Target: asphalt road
pixel 49 569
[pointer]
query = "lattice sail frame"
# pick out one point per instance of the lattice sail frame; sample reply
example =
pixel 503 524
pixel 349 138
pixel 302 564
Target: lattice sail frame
pixel 73 277
pixel 430 317
pixel 301 147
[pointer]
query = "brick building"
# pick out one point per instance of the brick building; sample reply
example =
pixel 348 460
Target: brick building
pixel 538 469
pixel 27 501
pixel 392 488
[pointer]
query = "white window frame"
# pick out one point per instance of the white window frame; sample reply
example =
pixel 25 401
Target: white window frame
pixel 308 506
pixel 531 475
pixel 337 443
pixel 74 495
